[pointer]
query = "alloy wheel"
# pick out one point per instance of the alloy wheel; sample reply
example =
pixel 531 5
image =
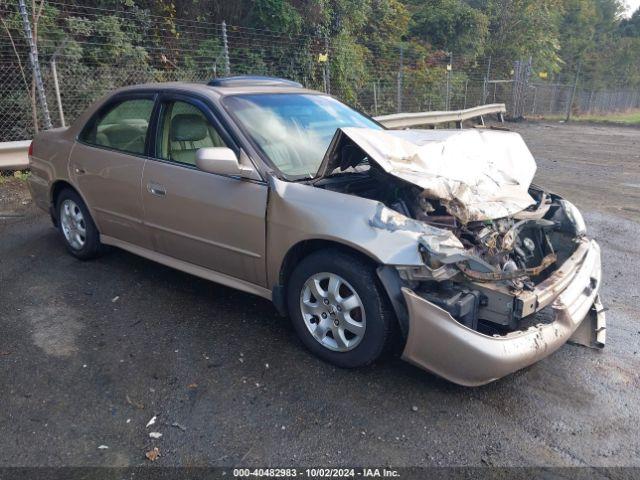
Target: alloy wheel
pixel 332 311
pixel 74 227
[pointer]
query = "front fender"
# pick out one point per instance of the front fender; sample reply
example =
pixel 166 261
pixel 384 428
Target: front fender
pixel 297 212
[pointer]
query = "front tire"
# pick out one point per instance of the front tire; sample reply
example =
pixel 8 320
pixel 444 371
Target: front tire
pixel 339 309
pixel 76 226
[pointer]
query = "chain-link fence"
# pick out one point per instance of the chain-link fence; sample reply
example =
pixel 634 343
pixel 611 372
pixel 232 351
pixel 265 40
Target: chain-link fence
pixel 91 51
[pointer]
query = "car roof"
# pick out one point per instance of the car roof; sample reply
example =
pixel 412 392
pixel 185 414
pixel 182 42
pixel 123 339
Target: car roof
pixel 216 92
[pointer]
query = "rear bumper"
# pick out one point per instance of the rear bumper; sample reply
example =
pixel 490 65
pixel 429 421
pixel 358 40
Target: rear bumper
pixel 438 343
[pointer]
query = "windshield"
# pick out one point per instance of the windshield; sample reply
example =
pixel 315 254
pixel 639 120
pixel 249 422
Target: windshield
pixel 294 130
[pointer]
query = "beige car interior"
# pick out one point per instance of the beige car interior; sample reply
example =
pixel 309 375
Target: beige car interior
pixel 277 143
pixel 186 131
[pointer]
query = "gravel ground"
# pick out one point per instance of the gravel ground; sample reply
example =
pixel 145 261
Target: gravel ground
pixel 91 351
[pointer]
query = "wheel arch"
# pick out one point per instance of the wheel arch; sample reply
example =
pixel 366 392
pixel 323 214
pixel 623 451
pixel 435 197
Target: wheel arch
pixel 58 187
pixel 386 275
pixel 301 250
pixel 305 248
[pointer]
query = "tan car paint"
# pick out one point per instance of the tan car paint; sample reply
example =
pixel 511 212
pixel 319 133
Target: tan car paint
pixel 110 181
pixel 441 345
pixel 49 163
pixel 299 212
pixel 216 230
pixel 53 163
pixel 209 220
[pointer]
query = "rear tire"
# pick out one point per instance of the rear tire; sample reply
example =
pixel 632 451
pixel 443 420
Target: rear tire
pixel 77 228
pixel 339 309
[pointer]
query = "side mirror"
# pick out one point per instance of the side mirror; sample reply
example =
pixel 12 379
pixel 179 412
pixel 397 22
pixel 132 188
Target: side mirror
pixel 222 161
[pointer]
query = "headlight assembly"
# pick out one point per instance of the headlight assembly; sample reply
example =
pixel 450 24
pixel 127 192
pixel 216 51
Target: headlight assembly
pixel 574 217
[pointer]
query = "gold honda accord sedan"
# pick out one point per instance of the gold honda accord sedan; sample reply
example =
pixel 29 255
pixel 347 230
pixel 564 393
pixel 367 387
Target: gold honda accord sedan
pixel 357 233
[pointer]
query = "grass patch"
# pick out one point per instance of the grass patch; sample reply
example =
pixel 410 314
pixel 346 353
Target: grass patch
pixel 631 117
pixel 21 175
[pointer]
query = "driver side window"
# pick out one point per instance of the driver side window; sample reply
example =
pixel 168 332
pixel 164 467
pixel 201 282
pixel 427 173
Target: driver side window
pixel 184 129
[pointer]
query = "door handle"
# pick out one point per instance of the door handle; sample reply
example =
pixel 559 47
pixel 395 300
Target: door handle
pixel 156 189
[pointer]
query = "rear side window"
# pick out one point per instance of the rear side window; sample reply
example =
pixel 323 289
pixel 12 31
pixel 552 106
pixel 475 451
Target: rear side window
pixel 122 127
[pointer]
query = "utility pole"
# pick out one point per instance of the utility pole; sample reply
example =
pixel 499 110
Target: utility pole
pixel 573 92
pixel 225 46
pixel 485 84
pixel 466 88
pixel 56 84
pixel 448 92
pixel 327 68
pixel 515 89
pixel 35 65
pixel 375 98
pixel 399 85
pixel 525 87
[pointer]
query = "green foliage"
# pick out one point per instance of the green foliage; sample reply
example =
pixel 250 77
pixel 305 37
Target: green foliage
pixel 112 43
pixel 275 15
pixel 22 175
pixel 577 29
pixel 131 41
pixel 524 28
pixel 622 63
pixel 631 27
pixel 207 51
pixel 387 25
pixel 590 34
pixel 450 25
pixel 348 71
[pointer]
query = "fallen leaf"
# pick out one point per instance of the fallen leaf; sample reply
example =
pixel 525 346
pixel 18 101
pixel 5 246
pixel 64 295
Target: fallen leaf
pixel 134 403
pixel 155 435
pixel 177 425
pixel 153 454
pixel 192 385
pixel 2 354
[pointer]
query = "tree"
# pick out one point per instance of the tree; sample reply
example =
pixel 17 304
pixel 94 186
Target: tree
pixel 589 35
pixel 630 27
pixel 449 25
pixel 523 28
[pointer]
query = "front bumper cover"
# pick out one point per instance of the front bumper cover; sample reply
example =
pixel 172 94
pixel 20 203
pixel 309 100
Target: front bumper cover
pixel 440 344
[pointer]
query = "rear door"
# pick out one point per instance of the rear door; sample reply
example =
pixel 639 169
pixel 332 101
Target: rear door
pixel 106 164
pixel 213 221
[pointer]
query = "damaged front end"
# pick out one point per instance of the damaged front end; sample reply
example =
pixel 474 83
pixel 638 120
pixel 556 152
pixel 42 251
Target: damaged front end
pixel 508 274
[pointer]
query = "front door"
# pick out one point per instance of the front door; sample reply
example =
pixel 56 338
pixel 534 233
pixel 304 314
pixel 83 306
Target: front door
pixel 213 221
pixel 107 163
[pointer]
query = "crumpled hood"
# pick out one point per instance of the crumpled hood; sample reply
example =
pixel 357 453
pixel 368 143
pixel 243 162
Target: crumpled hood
pixel 475 174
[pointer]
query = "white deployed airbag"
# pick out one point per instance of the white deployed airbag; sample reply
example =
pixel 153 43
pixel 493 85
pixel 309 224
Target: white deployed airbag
pixel 475 174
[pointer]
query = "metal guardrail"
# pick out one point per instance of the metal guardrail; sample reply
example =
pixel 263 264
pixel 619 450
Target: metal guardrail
pixel 13 155
pixel 402 120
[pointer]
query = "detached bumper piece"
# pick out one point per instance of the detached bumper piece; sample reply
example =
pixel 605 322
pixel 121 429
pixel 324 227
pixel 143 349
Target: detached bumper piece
pixel 592 332
pixel 439 343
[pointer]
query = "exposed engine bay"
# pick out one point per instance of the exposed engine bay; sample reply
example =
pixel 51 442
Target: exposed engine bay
pixel 493 262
